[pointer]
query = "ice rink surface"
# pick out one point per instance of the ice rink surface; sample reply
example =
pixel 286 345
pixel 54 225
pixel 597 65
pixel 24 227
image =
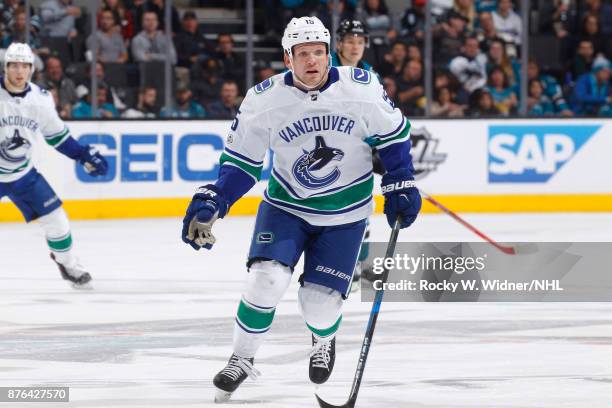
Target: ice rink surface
pixel 158 324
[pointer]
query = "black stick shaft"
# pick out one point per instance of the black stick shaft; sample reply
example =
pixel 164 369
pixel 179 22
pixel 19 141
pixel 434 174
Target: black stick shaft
pixel 367 340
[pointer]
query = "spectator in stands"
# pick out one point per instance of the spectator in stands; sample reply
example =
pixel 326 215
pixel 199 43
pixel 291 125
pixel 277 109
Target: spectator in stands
pixel 487 32
pixel 110 43
pixel 390 86
pixel 190 43
pixel 8 11
pixel 394 60
pixel 206 81
pixel 83 108
pixel 498 85
pixel 264 72
pixel 184 106
pixel 485 6
pixel 444 106
pixel 151 44
pixel 590 31
pixel 481 104
pixel 445 79
pixel 227 106
pixel 147 106
pixel 551 88
pixel 439 8
pixel 115 95
pixel 564 24
pixel 16 31
pixel 414 52
pixel 603 10
pixel 377 20
pixel 539 104
pixel 325 12
pixel 123 17
pixel 467 9
pixel 583 60
pixel 449 37
pixel 470 67
pixel 232 64
pixel 64 111
pixel 497 57
pixel 136 9
pixel 412 22
pixel 557 17
pixel 58 18
pixel 507 23
pixel 410 88
pixel 157 7
pixel 53 78
pixel 592 90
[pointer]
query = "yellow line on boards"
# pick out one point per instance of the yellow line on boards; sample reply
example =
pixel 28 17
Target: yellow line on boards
pixel 175 207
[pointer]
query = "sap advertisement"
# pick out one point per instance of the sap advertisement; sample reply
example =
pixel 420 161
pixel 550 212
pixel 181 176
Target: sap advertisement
pixel 455 157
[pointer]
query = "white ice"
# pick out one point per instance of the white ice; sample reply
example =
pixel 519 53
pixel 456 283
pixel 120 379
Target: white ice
pixel 158 324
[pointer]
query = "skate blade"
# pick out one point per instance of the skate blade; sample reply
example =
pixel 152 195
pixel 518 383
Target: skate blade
pixel 82 286
pixel 222 396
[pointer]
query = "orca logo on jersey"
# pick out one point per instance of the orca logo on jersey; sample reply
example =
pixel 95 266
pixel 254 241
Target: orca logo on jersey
pixel 15 149
pixel 315 160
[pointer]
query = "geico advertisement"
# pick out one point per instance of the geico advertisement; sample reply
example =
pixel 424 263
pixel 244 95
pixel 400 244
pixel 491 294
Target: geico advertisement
pixel 145 159
pixel 169 159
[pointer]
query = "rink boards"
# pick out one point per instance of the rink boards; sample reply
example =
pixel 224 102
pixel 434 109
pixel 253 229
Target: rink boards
pixel 469 165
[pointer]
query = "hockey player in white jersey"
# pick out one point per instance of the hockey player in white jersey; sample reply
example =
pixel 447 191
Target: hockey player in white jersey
pixel 320 122
pixel 26 111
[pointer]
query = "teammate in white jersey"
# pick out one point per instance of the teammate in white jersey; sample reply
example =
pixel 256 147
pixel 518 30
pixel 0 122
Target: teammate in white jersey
pixel 26 111
pixel 320 122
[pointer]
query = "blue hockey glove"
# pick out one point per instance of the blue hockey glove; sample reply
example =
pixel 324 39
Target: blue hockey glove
pixel 93 162
pixel 401 197
pixel 207 205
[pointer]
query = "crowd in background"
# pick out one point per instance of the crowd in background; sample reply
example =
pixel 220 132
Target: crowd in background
pixel 476 55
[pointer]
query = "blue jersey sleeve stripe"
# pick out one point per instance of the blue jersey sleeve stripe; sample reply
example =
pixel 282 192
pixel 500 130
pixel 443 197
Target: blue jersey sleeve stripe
pixel 397 130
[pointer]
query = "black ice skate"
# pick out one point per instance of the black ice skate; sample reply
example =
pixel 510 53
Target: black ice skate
pixel 322 359
pixel 234 373
pixel 79 278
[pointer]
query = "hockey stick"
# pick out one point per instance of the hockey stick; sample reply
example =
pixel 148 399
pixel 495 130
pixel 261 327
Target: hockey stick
pixel 367 340
pixel 505 249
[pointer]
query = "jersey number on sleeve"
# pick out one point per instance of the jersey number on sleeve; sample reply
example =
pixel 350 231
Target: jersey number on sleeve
pixel 235 121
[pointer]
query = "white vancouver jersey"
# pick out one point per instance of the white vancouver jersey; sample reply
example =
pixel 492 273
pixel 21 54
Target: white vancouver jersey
pixel 22 117
pixel 321 142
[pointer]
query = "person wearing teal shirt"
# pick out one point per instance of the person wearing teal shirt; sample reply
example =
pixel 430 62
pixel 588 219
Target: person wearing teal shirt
pixel 592 93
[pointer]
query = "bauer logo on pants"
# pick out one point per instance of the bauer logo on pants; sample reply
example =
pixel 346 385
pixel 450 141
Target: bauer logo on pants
pixel 533 154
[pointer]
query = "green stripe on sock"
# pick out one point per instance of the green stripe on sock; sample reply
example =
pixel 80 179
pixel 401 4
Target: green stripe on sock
pixel 326 332
pixel 254 319
pixel 62 244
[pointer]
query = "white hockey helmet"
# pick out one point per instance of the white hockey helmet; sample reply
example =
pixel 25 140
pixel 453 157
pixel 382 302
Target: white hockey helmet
pixel 19 52
pixel 304 30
